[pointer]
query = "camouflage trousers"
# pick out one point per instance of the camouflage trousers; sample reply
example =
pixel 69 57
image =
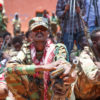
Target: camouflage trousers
pixel 23 89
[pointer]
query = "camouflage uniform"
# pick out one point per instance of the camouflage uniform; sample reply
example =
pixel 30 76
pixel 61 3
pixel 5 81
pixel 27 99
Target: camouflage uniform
pixel 87 86
pixel 3 22
pixel 16 26
pixel 54 22
pixel 27 87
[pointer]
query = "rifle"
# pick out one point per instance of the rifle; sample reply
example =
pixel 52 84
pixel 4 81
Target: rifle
pixel 71 21
pixel 89 10
pixel 90 43
pixel 3 47
pixel 59 88
pixel 96 12
pixel 55 74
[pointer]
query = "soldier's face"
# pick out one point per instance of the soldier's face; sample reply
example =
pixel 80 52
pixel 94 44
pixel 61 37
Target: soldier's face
pixel 97 41
pixel 17 46
pixel 40 34
pixel 83 42
pixel 98 44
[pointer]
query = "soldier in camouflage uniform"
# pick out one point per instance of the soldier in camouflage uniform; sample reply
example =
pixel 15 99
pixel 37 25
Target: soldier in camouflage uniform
pixel 82 42
pixel 35 85
pixel 87 86
pixel 3 21
pixel 16 25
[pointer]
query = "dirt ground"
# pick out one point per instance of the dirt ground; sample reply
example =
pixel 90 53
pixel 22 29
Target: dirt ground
pixel 26 10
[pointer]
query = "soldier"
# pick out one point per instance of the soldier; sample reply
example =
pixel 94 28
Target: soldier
pixel 16 25
pixel 3 21
pixel 82 42
pixel 92 14
pixel 4 92
pixel 3 87
pixel 68 12
pixel 16 47
pixel 2 2
pixel 42 51
pixel 7 41
pixel 87 86
pixel 54 23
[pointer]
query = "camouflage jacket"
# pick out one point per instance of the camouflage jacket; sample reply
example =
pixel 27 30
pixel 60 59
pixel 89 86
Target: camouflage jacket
pixel 87 86
pixel 26 86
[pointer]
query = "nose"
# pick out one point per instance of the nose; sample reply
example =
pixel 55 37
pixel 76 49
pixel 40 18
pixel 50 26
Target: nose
pixel 39 30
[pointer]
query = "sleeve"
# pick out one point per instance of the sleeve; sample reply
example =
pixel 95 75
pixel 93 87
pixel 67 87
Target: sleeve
pixel 61 52
pixel 60 9
pixel 22 70
pixel 88 67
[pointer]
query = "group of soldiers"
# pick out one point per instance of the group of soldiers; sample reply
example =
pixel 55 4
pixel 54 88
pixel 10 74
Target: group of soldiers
pixel 37 66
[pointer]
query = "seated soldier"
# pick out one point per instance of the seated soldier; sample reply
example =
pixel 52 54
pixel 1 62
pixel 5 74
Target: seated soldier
pixel 4 92
pixel 87 86
pixel 35 84
pixel 3 87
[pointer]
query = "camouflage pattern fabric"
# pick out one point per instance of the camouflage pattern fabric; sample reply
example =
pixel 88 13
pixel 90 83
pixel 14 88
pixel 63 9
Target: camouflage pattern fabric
pixel 2 24
pixel 87 86
pixel 24 56
pixel 16 26
pixel 60 91
pixel 27 87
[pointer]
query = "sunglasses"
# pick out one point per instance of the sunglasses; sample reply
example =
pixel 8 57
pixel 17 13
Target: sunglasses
pixel 42 29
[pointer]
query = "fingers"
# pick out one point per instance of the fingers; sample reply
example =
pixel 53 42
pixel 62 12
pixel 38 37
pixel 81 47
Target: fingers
pixel 63 75
pixel 68 80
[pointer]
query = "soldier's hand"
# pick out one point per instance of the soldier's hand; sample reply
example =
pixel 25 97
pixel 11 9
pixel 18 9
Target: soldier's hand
pixel 67 7
pixel 5 56
pixel 78 9
pixel 70 79
pixel 97 64
pixel 52 66
pixel 68 76
pixel 67 67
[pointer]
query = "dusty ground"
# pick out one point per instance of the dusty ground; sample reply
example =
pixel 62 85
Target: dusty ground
pixel 26 9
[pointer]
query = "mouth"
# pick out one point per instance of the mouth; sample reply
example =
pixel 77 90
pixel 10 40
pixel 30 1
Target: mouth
pixel 39 35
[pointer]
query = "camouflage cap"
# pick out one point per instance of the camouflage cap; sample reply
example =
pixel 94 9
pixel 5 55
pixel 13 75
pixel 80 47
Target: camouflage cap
pixel 38 21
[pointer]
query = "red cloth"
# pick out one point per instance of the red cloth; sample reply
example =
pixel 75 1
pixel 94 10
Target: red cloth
pixel 0 5
pixel 47 57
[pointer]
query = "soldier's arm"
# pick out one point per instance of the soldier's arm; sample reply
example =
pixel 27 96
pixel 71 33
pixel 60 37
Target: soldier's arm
pixel 60 10
pixel 62 53
pixel 31 69
pixel 89 67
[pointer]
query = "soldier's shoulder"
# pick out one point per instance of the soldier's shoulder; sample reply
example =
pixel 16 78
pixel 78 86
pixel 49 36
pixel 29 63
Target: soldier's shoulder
pixel 26 47
pixel 86 53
